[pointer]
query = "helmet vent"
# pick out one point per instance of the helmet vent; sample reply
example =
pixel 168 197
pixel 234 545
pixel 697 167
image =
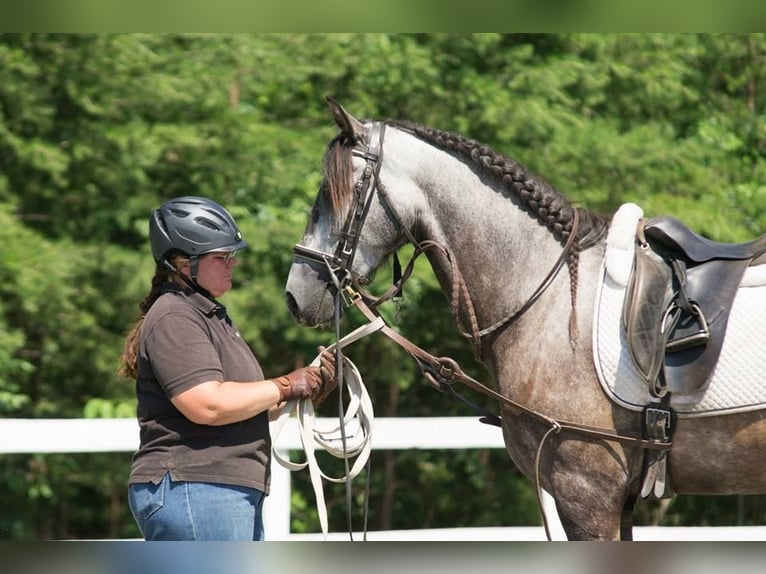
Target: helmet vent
pixel 162 223
pixel 207 223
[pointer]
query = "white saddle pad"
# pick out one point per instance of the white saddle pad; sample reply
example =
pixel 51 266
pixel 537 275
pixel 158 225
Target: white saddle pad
pixel 738 382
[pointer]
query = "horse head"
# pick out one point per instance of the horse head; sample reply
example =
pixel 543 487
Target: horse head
pixel 352 226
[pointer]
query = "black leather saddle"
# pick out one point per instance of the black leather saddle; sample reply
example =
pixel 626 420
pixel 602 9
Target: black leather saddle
pixel 678 301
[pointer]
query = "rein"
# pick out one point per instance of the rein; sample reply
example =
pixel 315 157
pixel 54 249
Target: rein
pixel 458 283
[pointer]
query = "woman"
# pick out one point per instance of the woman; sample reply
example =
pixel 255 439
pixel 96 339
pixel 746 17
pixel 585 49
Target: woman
pixel 202 468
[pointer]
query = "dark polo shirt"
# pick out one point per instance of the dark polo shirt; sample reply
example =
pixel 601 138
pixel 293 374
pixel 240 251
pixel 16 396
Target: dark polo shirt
pixel 187 339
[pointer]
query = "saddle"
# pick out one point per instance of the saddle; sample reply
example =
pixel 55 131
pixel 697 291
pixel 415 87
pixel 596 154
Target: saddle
pixel 678 300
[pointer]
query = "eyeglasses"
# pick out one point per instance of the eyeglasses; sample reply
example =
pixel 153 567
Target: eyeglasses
pixel 226 258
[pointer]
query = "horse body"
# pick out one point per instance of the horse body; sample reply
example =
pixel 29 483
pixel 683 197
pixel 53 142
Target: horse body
pixel 503 242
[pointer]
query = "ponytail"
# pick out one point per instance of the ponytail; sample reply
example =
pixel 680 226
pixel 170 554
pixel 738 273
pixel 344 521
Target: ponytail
pixel 129 358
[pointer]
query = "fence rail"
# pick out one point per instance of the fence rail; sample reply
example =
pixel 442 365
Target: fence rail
pixel 425 433
pixel 121 435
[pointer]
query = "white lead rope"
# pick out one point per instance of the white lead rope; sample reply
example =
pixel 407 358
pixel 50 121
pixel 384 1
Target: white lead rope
pixel 355 426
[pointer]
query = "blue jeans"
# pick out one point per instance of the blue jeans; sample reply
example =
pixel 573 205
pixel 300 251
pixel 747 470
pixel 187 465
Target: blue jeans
pixel 196 511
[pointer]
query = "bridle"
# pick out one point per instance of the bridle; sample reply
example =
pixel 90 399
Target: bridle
pixel 340 262
pixel 441 372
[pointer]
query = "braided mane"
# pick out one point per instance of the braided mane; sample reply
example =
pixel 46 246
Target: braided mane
pixel 539 198
pixel 536 196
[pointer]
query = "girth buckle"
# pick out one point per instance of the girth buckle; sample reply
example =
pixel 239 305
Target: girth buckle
pixel 657 423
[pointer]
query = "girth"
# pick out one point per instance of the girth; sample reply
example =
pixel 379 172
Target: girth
pixel 678 302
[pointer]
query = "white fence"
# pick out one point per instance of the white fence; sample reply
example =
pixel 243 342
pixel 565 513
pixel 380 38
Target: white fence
pixel 121 435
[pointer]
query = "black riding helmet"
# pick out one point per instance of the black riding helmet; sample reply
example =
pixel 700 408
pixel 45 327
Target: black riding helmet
pixel 194 226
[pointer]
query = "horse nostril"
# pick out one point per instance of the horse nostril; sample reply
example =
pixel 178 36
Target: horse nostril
pixel 292 304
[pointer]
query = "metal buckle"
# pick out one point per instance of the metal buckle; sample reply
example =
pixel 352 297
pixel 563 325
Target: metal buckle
pixel 441 374
pixel 350 295
pixel 658 423
pixel 448 369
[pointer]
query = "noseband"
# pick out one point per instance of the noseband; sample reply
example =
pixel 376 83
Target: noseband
pixel 340 262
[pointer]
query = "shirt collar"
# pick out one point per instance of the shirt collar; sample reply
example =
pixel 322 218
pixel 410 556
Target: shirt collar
pixel 206 303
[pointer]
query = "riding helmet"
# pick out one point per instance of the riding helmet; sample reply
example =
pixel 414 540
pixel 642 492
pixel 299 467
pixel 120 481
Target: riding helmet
pixel 194 226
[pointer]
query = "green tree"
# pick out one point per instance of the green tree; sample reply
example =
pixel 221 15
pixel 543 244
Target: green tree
pixel 96 130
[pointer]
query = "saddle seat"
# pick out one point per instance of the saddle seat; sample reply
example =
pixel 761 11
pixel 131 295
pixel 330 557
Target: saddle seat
pixel 678 300
pixel 676 236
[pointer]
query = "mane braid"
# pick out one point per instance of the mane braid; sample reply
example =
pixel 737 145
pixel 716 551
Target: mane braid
pixel 550 207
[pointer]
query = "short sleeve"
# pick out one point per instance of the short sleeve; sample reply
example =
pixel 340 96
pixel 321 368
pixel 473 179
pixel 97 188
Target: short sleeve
pixel 181 353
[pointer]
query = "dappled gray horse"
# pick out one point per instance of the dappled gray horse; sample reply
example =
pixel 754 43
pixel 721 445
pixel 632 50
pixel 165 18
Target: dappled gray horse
pixel 520 265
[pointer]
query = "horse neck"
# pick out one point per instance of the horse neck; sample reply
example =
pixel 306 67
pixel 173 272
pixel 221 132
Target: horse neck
pixel 501 251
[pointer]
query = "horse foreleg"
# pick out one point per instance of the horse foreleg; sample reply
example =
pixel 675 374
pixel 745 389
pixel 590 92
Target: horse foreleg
pixel 602 522
pixel 594 505
pixel 602 518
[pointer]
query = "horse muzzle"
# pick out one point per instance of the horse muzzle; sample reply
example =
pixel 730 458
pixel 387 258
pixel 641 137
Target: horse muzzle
pixel 310 296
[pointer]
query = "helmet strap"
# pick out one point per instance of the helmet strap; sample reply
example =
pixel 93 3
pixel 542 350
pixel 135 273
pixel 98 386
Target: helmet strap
pixel 194 266
pixel 191 283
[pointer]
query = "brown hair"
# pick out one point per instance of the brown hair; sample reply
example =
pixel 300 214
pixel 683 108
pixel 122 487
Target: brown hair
pixel 129 358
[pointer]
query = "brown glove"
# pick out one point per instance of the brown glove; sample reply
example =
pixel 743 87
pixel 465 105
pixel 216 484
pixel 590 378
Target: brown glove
pixel 328 373
pixel 300 384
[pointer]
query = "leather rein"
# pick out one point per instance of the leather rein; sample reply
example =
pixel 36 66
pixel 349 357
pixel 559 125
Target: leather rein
pixel 441 372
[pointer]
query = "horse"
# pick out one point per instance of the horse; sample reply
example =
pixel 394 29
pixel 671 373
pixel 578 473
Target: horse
pixel 520 264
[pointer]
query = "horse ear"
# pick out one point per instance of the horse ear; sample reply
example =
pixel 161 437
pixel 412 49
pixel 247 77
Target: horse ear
pixel 348 124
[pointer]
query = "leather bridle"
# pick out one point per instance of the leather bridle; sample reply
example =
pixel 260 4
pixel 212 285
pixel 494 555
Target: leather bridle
pixel 340 262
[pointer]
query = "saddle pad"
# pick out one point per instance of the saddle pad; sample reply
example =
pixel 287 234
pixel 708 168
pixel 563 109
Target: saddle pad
pixel 739 380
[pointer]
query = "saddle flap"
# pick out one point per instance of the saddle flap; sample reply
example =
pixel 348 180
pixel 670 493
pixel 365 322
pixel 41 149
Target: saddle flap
pixel 647 297
pixel 712 288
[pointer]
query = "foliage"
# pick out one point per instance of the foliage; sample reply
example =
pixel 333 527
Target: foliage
pixel 97 130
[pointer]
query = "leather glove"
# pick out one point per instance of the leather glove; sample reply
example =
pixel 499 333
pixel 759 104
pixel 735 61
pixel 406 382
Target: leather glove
pixel 302 383
pixel 327 370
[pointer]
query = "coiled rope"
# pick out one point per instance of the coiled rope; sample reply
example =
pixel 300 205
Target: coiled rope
pixel 349 437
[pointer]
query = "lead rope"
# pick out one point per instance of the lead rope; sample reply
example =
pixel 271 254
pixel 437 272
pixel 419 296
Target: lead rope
pixel 339 380
pixel 349 437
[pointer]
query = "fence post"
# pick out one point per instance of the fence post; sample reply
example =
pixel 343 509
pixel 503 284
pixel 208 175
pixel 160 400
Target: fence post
pixel 276 507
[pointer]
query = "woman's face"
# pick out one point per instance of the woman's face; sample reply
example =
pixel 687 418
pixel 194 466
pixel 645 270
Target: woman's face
pixel 214 271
